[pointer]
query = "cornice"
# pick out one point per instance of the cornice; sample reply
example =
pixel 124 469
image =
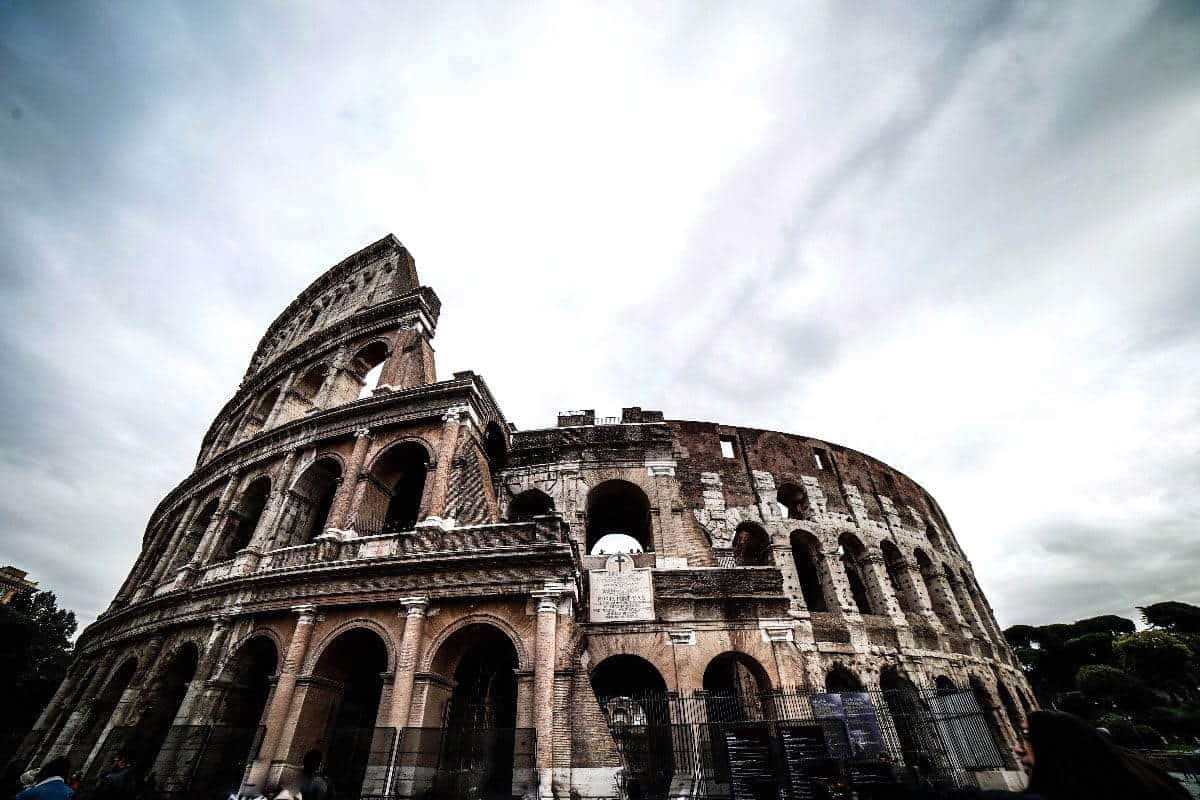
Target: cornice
pixel 515 571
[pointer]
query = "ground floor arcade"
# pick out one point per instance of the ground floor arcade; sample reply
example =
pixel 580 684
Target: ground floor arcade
pixel 512 696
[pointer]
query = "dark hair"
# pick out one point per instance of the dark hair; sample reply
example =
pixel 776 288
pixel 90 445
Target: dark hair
pixel 60 766
pixel 1072 759
pixel 312 762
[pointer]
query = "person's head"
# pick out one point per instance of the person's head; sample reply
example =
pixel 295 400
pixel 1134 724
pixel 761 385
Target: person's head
pixel 28 778
pixel 123 758
pixel 60 767
pixel 1065 757
pixel 312 762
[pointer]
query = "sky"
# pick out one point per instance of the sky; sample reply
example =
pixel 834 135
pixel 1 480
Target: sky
pixel 961 237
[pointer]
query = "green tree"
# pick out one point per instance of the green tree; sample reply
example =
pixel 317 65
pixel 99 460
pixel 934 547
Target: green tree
pixel 1110 687
pixel 33 661
pixel 1154 656
pixel 1172 616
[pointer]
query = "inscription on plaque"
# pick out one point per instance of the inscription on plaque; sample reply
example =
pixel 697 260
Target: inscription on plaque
pixel 620 592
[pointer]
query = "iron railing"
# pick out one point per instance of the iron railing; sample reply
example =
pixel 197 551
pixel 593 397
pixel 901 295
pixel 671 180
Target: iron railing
pixel 783 743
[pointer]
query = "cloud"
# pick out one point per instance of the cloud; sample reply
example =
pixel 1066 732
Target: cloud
pixel 961 239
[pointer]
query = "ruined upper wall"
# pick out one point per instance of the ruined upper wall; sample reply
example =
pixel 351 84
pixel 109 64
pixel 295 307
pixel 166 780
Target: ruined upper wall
pixel 852 483
pixel 379 272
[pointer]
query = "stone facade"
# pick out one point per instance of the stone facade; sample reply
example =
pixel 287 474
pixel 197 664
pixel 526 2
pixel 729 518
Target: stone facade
pixel 352 554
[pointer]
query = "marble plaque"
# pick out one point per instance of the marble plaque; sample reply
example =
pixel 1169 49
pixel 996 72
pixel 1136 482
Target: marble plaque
pixel 620 592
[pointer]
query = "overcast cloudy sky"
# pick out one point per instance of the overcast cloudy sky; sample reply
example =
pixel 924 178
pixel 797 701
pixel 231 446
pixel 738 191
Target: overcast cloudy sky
pixel 962 237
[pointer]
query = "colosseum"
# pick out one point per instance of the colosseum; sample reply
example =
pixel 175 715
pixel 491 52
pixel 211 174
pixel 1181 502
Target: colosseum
pixel 375 563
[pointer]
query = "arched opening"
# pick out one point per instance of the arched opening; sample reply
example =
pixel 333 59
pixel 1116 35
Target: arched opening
pixel 102 711
pixel 164 700
pixel 981 608
pixel 911 720
pixel 1015 717
pixel 309 385
pixel 620 507
pixel 937 597
pixel 496 446
pixel 964 601
pixel 479 714
pixel 529 504
pixel 852 551
pixel 736 685
pixel 932 535
pixel 898 575
pixel 259 413
pixel 944 685
pixel 805 548
pixel 984 699
pixel 839 679
pixel 309 502
pixel 340 709
pixel 793 502
pixel 191 537
pixel 751 546
pixel 366 368
pixel 250 675
pixel 611 544
pixel 392 501
pixel 246 517
pixel 633 697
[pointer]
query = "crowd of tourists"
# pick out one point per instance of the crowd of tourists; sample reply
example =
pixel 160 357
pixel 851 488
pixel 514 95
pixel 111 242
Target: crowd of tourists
pixel 1063 756
pixel 124 780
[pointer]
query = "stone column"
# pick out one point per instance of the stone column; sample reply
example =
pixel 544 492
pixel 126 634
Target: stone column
pixel 208 542
pixel 177 538
pixel 281 718
pixel 336 366
pixel 411 645
pixel 543 683
pixel 781 556
pixel 285 392
pixel 875 572
pixel 406 662
pixel 939 585
pixel 50 713
pixel 126 711
pixel 204 670
pixel 83 706
pixel 916 583
pixel 264 533
pixel 452 421
pixel 340 512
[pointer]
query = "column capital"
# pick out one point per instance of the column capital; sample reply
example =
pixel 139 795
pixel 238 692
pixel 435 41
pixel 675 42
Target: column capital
pixel 362 433
pixel 222 618
pixel 459 413
pixel 548 596
pixel 307 612
pixel 414 606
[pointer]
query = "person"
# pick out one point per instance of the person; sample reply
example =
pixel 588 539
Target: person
pixel 1065 757
pixel 28 778
pixel 121 781
pixel 313 784
pixel 50 782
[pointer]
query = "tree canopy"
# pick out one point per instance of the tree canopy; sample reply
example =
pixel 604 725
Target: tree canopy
pixel 33 661
pixel 1172 616
pixel 1141 685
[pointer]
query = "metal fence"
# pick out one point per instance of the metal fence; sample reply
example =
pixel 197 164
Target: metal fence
pixel 205 760
pixel 790 744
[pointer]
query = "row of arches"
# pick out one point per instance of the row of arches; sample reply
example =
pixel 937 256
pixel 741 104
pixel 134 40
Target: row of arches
pixel 794 503
pixel 321 385
pixel 869 589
